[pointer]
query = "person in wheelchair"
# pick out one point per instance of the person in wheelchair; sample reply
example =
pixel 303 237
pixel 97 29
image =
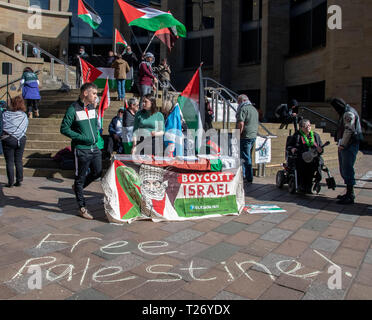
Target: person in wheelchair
pixel 305 147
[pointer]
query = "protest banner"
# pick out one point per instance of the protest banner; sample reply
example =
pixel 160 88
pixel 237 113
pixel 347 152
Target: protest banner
pixel 172 190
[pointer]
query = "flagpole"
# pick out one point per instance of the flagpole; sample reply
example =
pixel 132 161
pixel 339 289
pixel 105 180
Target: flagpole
pixel 135 38
pixel 115 43
pixel 149 43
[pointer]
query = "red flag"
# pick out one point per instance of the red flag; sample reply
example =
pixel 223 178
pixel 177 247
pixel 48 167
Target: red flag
pixel 88 72
pixel 119 39
pixel 104 103
pixel 167 36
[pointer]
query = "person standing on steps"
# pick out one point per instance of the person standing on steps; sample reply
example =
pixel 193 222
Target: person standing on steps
pixel 80 124
pixel 30 91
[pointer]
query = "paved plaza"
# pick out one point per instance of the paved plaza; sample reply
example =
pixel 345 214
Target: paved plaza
pixel 316 250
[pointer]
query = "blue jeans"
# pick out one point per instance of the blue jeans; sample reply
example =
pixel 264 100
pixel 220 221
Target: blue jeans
pixel 121 88
pixel 346 160
pixel 246 147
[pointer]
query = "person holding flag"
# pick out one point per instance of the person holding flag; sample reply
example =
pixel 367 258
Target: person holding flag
pixel 80 125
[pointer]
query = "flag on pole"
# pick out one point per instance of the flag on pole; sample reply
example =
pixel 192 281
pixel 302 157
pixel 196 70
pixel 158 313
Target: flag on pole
pixel 173 133
pixel 88 15
pixel 192 105
pixel 167 36
pixel 88 72
pixel 119 38
pixel 104 104
pixel 150 19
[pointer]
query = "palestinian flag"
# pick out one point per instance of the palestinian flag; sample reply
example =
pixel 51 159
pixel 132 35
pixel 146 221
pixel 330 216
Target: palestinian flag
pixel 109 73
pixel 167 36
pixel 150 19
pixel 104 104
pixel 119 38
pixel 192 106
pixel 89 73
pixel 88 15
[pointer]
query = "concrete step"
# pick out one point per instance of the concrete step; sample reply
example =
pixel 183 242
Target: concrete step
pixel 38 144
pixel 39 153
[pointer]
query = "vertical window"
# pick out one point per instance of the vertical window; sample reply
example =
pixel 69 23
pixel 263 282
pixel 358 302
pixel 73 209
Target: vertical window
pixel 192 49
pixel 250 31
pixel 195 9
pixel 308 25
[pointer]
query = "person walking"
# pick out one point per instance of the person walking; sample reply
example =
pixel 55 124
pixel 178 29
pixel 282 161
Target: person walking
pixel 121 69
pixel 30 91
pixel 348 137
pixel 15 125
pixel 80 125
pixel 247 123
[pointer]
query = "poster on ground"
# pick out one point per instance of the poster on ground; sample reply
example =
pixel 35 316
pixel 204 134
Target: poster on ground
pixel 262 208
pixel 171 191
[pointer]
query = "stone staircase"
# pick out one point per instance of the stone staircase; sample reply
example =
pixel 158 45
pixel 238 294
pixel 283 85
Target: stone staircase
pixel 44 139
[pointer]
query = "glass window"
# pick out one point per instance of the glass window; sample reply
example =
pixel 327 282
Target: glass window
pixel 193 11
pixel 250 31
pixel 308 25
pixel 312 92
pixel 192 52
pixel 43 4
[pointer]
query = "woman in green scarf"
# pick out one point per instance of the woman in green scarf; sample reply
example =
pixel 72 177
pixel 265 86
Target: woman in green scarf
pixel 303 141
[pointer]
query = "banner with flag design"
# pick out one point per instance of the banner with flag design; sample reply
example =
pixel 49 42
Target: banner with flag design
pixel 175 191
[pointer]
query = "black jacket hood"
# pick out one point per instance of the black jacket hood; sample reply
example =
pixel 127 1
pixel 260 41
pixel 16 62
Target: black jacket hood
pixel 339 105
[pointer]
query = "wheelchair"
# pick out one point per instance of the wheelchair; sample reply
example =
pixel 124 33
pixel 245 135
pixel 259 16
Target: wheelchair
pixel 289 174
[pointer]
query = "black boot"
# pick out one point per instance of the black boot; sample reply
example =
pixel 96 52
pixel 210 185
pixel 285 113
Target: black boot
pixel 349 196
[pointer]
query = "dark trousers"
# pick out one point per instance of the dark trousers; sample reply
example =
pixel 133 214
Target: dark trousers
pixel 32 105
pixel 246 149
pixel 306 173
pixel 114 145
pixel 13 153
pixel 86 160
pixel 346 159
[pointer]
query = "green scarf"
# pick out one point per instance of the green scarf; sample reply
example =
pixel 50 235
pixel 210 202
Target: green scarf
pixel 311 142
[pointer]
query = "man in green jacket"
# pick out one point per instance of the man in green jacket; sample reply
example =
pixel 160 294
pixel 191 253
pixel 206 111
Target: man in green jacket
pixel 80 124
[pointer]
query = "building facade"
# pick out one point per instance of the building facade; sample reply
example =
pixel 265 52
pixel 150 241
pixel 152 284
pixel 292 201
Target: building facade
pixel 276 50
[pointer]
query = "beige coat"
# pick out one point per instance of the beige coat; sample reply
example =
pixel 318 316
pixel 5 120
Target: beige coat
pixel 121 68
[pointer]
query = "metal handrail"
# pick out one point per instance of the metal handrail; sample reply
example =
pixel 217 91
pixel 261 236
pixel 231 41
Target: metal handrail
pixel 48 54
pixel 319 115
pixel 227 102
pixel 11 82
pixel 52 60
pixel 206 79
